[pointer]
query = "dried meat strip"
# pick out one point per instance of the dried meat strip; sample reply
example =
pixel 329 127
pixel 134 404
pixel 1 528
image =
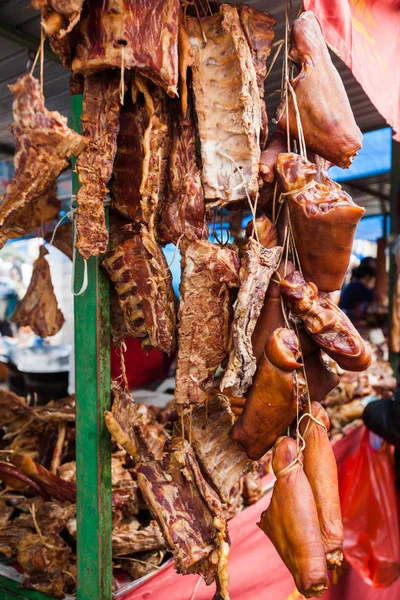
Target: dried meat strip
pixel 326 117
pixel 39 308
pixel 323 219
pixel 100 125
pixel 183 211
pixel 156 144
pixel 221 460
pixel 189 513
pixel 138 268
pixel 261 258
pixel 227 106
pixel 44 146
pixel 141 163
pixel 209 273
pixel 141 34
pixel 62 239
pixel 128 164
pixel 258 27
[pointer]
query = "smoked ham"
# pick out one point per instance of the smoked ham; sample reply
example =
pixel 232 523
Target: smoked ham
pixel 209 274
pixel 274 399
pixel 138 268
pixel 100 126
pixel 44 146
pixel 291 521
pixel 38 309
pixel 325 323
pixel 321 471
pixel 260 259
pixel 227 105
pixel 323 220
pixel 139 34
pixel 326 117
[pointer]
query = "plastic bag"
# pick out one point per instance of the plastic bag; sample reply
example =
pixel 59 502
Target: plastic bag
pixel 370 515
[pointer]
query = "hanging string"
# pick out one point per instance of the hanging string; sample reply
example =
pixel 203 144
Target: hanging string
pixel 253 208
pixel 41 57
pixel 176 250
pixel 122 81
pixel 40 52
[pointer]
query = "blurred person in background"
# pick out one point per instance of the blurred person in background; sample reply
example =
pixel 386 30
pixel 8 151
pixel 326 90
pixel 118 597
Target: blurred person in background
pixel 16 276
pixel 359 293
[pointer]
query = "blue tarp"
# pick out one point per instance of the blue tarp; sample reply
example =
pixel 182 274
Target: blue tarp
pixel 374 158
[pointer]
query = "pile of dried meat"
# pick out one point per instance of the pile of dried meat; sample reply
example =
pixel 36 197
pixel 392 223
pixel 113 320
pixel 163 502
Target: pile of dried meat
pixel 38 487
pixel 174 136
pixel 346 402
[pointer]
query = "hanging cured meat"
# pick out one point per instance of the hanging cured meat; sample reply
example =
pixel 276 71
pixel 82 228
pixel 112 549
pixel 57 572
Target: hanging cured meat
pixel 128 164
pixel 259 30
pixel 261 258
pixel 326 324
pixel 321 471
pixel 209 273
pixel 277 394
pixel 326 117
pixel 138 268
pixel 291 522
pixel 38 308
pixel 139 34
pixel 323 221
pixel 156 144
pixel 33 216
pixel 227 105
pixel 100 125
pixel 189 513
pixel 44 146
pixel 59 17
pixel 140 169
pixel 59 20
pixel 222 460
pixel 183 211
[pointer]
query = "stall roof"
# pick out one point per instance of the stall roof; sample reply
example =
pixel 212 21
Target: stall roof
pixel 20 32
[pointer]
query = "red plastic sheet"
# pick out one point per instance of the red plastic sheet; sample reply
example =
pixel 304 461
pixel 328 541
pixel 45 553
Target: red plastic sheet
pixel 256 570
pixel 369 511
pixel 366 33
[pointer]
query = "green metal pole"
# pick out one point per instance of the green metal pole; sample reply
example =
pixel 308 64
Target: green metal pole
pixel 93 444
pixel 394 231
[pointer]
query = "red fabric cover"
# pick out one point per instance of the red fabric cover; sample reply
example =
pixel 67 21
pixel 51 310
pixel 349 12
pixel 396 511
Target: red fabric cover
pixel 366 34
pixel 141 368
pixel 256 571
pixel 369 510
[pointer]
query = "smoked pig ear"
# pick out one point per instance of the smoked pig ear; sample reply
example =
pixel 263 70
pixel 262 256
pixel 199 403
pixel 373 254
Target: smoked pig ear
pixel 283 349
